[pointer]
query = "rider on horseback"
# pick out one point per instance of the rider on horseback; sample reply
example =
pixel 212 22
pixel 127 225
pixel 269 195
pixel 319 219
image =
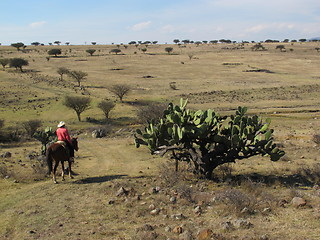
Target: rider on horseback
pixel 63 135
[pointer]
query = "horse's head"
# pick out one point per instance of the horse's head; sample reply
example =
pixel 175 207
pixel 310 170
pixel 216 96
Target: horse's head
pixel 74 142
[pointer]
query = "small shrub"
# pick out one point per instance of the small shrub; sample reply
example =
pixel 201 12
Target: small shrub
pixel 120 90
pixel 100 131
pixel 106 107
pixel 3 171
pixel 236 201
pixel 168 49
pixel 90 51
pixel 153 111
pixel 31 126
pixel 168 175
pixel 54 51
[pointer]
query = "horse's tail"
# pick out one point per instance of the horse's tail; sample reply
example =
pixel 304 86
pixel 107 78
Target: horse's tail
pixel 49 160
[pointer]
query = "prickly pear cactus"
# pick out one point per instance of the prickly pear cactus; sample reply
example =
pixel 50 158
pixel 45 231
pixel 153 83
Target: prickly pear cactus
pixel 206 139
pixel 45 137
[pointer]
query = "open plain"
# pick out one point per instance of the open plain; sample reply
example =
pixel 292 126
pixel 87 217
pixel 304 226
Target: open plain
pixel 120 192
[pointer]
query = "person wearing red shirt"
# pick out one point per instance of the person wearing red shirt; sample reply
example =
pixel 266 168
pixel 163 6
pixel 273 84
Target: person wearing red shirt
pixel 63 135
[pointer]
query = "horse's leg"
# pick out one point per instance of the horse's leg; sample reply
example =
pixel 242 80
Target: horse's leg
pixel 56 163
pixel 62 166
pixel 70 172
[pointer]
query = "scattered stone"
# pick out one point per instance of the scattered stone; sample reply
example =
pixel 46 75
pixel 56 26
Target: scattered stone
pixel 227 226
pixel 282 203
pixel 264 237
pixel 245 210
pixel 173 199
pixel 6 155
pixel 152 206
pixel 138 197
pixel 155 211
pixel 242 223
pixel 177 229
pixel 32 155
pixel 205 234
pixel 111 201
pixel 167 229
pixel 197 210
pixel 154 190
pixel 145 227
pixel 178 216
pixel 298 202
pixel 316 187
pixel 121 192
pixel 187 235
pixel 266 210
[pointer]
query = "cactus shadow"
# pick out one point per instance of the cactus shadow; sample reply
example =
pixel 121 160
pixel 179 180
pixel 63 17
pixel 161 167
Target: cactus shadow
pixel 293 180
pixel 100 179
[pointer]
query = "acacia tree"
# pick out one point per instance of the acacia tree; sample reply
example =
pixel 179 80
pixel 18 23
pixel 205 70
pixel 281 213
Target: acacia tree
pixel 18 63
pixel 120 90
pixel 79 76
pixel 168 49
pixel 54 51
pixel 115 50
pixel 206 139
pixel 78 104
pixel 18 45
pixel 4 62
pixel 106 107
pixel 61 71
pixel 90 51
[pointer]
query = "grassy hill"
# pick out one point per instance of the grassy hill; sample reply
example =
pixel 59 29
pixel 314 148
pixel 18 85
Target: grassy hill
pixel 251 200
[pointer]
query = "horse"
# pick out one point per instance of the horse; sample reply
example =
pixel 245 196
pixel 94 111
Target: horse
pixel 58 152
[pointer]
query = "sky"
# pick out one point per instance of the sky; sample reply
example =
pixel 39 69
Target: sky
pixel 122 21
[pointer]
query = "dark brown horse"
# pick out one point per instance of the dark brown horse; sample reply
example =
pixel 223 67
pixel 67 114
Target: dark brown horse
pixel 58 152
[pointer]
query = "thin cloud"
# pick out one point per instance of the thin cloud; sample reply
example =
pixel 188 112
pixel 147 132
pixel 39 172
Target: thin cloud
pixel 141 26
pixel 168 29
pixel 37 24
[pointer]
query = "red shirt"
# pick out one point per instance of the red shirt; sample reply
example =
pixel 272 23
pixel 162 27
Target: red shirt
pixel 62 134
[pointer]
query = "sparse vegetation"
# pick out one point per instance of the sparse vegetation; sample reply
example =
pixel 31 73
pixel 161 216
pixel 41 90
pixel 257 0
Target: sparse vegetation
pixel 31 126
pixel 63 71
pixel 120 90
pixel 156 200
pixel 79 76
pixel 115 50
pixel 91 51
pixel 18 63
pixel 168 49
pixel 78 104
pixel 18 45
pixel 106 107
pixel 55 52
pixel 4 62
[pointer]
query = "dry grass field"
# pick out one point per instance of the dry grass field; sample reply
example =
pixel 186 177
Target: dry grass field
pixel 120 192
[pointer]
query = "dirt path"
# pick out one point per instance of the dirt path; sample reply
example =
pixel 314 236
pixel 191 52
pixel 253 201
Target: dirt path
pixel 106 157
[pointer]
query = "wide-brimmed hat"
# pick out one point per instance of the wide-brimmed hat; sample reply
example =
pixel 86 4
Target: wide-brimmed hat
pixel 61 124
